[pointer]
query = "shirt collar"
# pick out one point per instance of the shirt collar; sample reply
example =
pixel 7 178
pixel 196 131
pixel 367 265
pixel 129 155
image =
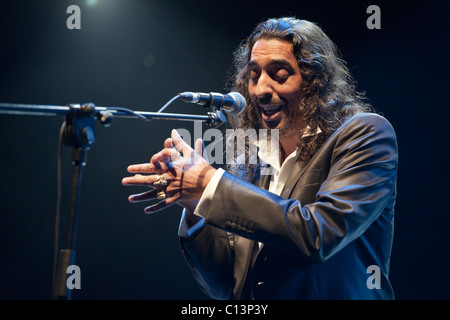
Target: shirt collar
pixel 272 158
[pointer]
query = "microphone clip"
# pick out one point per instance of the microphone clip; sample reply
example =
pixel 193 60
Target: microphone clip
pixel 216 118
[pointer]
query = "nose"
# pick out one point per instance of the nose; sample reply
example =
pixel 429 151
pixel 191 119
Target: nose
pixel 264 88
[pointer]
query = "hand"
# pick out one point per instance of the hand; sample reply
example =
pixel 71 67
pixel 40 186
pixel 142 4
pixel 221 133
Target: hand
pixel 187 175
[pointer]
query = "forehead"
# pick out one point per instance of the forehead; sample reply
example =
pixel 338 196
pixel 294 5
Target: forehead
pixel 266 50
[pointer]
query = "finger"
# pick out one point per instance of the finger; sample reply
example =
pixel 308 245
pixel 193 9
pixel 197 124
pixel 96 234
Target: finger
pixel 139 180
pixel 160 205
pixel 164 159
pixel 165 155
pixel 143 168
pixel 180 144
pixel 145 196
pixel 201 149
pixel 168 143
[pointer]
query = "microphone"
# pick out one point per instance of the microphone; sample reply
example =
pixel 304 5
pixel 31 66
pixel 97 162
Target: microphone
pixel 232 103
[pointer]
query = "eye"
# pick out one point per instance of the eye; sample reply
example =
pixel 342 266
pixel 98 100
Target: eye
pixel 253 76
pixel 281 75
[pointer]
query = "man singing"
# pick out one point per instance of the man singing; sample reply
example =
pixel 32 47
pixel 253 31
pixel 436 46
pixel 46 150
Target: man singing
pixel 320 225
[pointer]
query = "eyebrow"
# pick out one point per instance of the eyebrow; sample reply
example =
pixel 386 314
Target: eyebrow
pixel 280 61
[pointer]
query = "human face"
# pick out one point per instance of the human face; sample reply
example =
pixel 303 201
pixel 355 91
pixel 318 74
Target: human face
pixel 274 85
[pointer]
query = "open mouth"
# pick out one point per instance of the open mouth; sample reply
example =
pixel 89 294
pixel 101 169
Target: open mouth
pixel 269 112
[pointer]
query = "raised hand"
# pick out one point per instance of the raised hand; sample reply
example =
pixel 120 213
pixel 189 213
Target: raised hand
pixel 176 174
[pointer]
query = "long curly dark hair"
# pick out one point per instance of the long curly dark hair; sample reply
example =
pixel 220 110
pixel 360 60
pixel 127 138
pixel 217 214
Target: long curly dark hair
pixel 328 91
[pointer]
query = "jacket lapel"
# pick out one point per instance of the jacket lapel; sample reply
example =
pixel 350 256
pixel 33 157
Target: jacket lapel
pixel 295 175
pixel 245 251
pixel 263 181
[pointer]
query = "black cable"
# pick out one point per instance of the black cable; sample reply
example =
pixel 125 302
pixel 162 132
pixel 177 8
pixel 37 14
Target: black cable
pixel 58 183
pixel 133 113
pixel 129 111
pixel 168 103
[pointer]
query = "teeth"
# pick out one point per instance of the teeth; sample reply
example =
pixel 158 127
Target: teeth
pixel 271 108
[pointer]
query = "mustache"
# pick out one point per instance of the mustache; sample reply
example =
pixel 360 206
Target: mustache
pixel 269 101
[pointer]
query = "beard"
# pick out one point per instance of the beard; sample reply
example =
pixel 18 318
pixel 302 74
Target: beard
pixel 287 127
pixel 291 119
pixel 291 115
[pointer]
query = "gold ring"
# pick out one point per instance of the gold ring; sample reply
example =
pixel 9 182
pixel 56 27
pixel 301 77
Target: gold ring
pixel 161 195
pixel 160 181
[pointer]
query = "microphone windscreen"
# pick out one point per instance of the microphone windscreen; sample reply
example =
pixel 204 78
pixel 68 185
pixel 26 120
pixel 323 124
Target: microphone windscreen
pixel 239 104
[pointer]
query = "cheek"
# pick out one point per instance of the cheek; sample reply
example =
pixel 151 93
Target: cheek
pixel 291 95
pixel 251 94
pixel 251 91
pixel 292 86
pixel 293 91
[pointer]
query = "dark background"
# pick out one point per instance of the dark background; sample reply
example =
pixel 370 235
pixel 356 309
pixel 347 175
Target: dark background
pixel 139 54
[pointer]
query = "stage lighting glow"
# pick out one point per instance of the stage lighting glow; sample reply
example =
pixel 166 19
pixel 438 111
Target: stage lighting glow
pixel 91 3
pixel 148 60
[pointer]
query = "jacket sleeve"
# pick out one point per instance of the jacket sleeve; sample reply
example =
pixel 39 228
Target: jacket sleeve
pixel 361 182
pixel 209 255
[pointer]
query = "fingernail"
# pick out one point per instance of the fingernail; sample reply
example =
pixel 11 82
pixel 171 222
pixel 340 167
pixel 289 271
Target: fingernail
pixel 148 210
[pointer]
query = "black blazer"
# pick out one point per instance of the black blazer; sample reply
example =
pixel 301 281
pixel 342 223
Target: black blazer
pixel 323 237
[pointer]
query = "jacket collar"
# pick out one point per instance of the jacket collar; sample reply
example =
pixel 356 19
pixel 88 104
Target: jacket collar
pixel 270 160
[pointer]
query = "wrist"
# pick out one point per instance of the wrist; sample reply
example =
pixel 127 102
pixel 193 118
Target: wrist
pixel 189 205
pixel 208 176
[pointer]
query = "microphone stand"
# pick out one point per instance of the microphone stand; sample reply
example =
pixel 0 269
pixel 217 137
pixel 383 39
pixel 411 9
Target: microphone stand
pixel 79 133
